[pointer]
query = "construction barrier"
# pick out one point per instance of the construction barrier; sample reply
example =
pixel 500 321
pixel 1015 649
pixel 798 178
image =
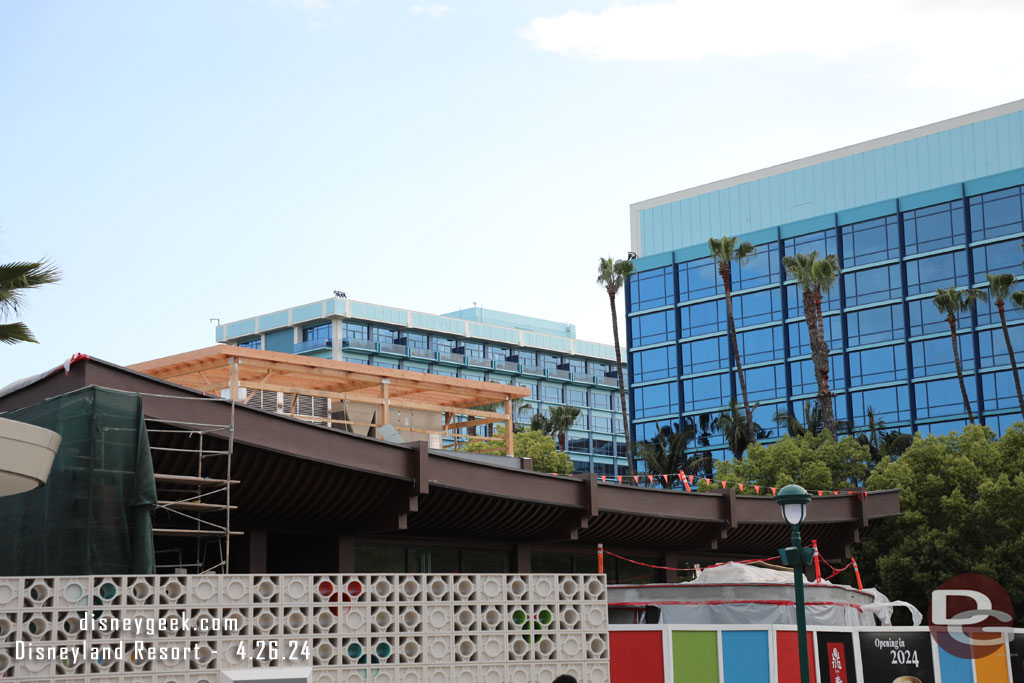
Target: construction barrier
pixel 675 653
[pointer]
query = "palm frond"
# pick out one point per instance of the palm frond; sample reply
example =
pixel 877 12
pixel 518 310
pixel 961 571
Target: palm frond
pixel 1000 285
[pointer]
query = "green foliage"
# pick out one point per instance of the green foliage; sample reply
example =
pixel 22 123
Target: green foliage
pixel 732 423
pixel 814 461
pixel 613 273
pixel 15 280
pixel 665 452
pixel 530 444
pixel 952 302
pixel 561 418
pixel 961 497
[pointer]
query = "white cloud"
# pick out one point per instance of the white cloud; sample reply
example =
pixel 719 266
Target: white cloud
pixel 430 10
pixel 974 46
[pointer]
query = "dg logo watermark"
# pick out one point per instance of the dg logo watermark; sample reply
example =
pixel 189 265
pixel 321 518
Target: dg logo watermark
pixel 969 614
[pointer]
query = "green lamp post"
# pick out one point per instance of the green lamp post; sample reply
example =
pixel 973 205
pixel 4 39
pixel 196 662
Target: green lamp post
pixel 793 499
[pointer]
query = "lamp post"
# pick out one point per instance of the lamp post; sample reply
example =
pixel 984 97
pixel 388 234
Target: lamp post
pixel 793 499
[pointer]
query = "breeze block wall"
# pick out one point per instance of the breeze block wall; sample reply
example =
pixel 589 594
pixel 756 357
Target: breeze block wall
pixel 389 628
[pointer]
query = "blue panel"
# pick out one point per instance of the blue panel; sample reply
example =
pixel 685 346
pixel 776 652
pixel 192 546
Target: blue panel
pixel 308 312
pixel 761 236
pixel 280 340
pixel 693 252
pixel 238 329
pixel 999 181
pixel 954 669
pixel 329 306
pixel 807 226
pixel 931 197
pixel 745 657
pixel 866 213
pixel 272 320
pixel 656 261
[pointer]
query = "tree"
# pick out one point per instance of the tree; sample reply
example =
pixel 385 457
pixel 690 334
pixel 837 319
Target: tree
pixel 15 279
pixel 724 251
pixel 560 419
pixel 737 431
pixel 952 302
pixel 881 442
pixel 813 422
pixel 530 444
pixel 815 461
pixel 961 497
pixel 999 288
pixel 665 452
pixel 612 274
pixel 816 277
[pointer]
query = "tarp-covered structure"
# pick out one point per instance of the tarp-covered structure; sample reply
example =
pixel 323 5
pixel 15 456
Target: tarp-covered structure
pixel 93 516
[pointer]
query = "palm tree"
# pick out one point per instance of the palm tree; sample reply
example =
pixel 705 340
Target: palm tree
pixel 881 442
pixel 612 274
pixel 813 422
pixel 665 452
pixel 724 251
pixel 559 419
pixel 15 279
pixel 816 277
pixel 739 433
pixel 952 302
pixel 999 287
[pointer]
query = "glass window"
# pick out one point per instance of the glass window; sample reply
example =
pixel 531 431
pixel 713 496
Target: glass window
pixel 532 386
pixel 890 404
pixel 992 346
pixel 384 335
pixel 999 390
pixel 472 374
pixel 382 363
pixel 761 269
pixel 935 356
pixel 757 307
pixel 473 349
pixel 358 360
pixel 442 344
pixel 577 366
pixel 659 363
pixel 926 319
pixel 316 332
pixel 698 279
pixel 650 289
pixel 441 370
pixel 551 393
pixel 761 345
pixel 704 355
pixel 703 318
pixel 653 328
pixel 804 381
pixel 926 275
pixel 940 428
pixel 548 361
pixel 878 365
pixel 710 391
pixel 355 330
pixel 527 358
pixel 799 342
pixel 934 227
pixel 598 369
pixel 874 284
pixel 795 300
pixel 577 397
pixel 416 340
pixel 823 242
pixel 602 446
pixel 942 397
pixel 579 444
pixel 601 422
pixel 988 314
pixel 498 353
pixel 1001 257
pixel 765 382
pixel 873 325
pixel 871 241
pixel 1000 423
pixel 996 213
pixel 254 343
pixel 657 399
pixel 600 400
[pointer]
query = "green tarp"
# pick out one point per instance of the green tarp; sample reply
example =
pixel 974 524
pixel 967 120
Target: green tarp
pixel 93 516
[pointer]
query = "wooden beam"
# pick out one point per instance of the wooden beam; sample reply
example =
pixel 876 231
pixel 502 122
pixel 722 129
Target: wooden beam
pixel 509 450
pixel 385 401
pixel 233 381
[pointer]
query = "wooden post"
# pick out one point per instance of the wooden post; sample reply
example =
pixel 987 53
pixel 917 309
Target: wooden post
pixel 509 448
pixel 385 417
pixel 233 380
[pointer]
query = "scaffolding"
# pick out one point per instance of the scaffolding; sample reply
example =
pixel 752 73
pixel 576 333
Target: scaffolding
pixel 195 506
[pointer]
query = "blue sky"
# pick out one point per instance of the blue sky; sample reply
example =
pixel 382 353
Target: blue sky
pixel 190 160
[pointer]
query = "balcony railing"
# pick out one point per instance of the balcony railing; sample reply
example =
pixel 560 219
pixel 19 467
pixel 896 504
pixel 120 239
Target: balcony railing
pixel 583 378
pixel 422 353
pixel 608 381
pixel 479 362
pixel 454 358
pixel 393 349
pixel 312 345
pixel 357 343
pixel 559 374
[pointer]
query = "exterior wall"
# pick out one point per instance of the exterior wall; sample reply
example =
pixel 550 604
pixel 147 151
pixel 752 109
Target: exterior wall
pixel 560 370
pixel 408 628
pixel 890 348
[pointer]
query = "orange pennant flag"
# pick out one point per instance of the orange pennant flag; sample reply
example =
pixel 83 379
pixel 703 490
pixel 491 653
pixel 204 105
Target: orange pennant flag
pixel 820 492
pixel 691 479
pixel 724 483
pixel 773 489
pixel 636 478
pixel 680 475
pixel 665 477
pixel 604 478
pixel 650 478
pixel 686 483
pixel 707 481
pixel 836 492
pixel 741 487
pixel 757 489
pixel 620 478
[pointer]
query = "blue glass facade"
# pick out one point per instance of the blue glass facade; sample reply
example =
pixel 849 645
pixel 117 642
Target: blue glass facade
pixel 474 344
pixel 890 347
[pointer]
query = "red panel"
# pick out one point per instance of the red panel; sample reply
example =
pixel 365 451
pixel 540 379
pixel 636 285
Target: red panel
pixel 636 657
pixel 789 657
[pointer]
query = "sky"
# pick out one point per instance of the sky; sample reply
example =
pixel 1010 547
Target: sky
pixel 188 160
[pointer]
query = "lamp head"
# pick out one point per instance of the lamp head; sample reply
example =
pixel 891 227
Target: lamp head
pixel 793 499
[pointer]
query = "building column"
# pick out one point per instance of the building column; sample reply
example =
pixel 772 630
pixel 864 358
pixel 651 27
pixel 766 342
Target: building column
pixel 523 551
pixel 346 554
pixel 257 551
